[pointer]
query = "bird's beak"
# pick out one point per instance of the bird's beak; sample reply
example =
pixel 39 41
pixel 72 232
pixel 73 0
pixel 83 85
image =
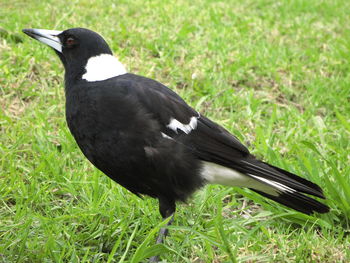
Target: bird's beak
pixel 48 37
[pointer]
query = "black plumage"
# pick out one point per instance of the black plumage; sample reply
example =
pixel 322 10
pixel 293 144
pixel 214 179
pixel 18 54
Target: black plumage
pixel 146 138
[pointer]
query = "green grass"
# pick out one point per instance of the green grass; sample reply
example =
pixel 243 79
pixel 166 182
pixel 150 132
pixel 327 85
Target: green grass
pixel 275 73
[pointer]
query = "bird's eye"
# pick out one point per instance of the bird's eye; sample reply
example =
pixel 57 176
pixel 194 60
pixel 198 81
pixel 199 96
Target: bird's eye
pixel 70 42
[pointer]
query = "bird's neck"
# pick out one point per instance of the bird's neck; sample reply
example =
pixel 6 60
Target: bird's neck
pixel 96 68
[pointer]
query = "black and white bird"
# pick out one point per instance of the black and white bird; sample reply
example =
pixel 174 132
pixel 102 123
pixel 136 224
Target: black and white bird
pixel 147 139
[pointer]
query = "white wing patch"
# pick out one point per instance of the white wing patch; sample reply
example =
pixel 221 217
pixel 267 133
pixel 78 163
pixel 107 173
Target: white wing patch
pixel 186 128
pixel 102 67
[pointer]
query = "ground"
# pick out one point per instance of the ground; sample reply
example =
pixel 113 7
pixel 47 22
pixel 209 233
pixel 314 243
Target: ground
pixel 275 73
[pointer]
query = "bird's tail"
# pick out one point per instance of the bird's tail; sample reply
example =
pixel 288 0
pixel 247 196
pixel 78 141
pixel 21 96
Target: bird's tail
pixel 284 187
pixel 298 201
pixel 270 181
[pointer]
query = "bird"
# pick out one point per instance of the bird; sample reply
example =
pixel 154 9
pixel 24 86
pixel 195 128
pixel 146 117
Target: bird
pixel 146 138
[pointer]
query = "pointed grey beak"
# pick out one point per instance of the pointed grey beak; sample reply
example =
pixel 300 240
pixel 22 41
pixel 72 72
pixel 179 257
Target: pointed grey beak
pixel 48 37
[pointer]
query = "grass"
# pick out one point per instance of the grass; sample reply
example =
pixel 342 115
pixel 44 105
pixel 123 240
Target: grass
pixel 275 73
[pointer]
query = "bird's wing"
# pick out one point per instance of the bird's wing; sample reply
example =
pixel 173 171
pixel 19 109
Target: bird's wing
pixel 180 122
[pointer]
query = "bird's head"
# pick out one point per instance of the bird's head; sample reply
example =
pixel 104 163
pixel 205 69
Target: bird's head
pixel 76 47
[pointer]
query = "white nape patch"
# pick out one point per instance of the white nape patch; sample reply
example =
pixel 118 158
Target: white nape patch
pixel 279 186
pixel 217 174
pixel 166 136
pixel 102 67
pixel 186 128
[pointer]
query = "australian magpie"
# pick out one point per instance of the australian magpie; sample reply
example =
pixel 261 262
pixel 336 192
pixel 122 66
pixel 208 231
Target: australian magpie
pixel 146 138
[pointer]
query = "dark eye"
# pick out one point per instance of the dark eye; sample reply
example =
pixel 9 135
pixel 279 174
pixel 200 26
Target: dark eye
pixel 70 42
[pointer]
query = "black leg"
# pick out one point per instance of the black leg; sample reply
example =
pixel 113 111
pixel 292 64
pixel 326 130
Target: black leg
pixel 163 232
pixel 167 209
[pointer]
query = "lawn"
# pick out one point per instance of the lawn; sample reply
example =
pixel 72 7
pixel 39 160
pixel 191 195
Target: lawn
pixel 274 73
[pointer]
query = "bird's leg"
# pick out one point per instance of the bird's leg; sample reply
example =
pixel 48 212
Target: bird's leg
pixel 163 232
pixel 167 209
